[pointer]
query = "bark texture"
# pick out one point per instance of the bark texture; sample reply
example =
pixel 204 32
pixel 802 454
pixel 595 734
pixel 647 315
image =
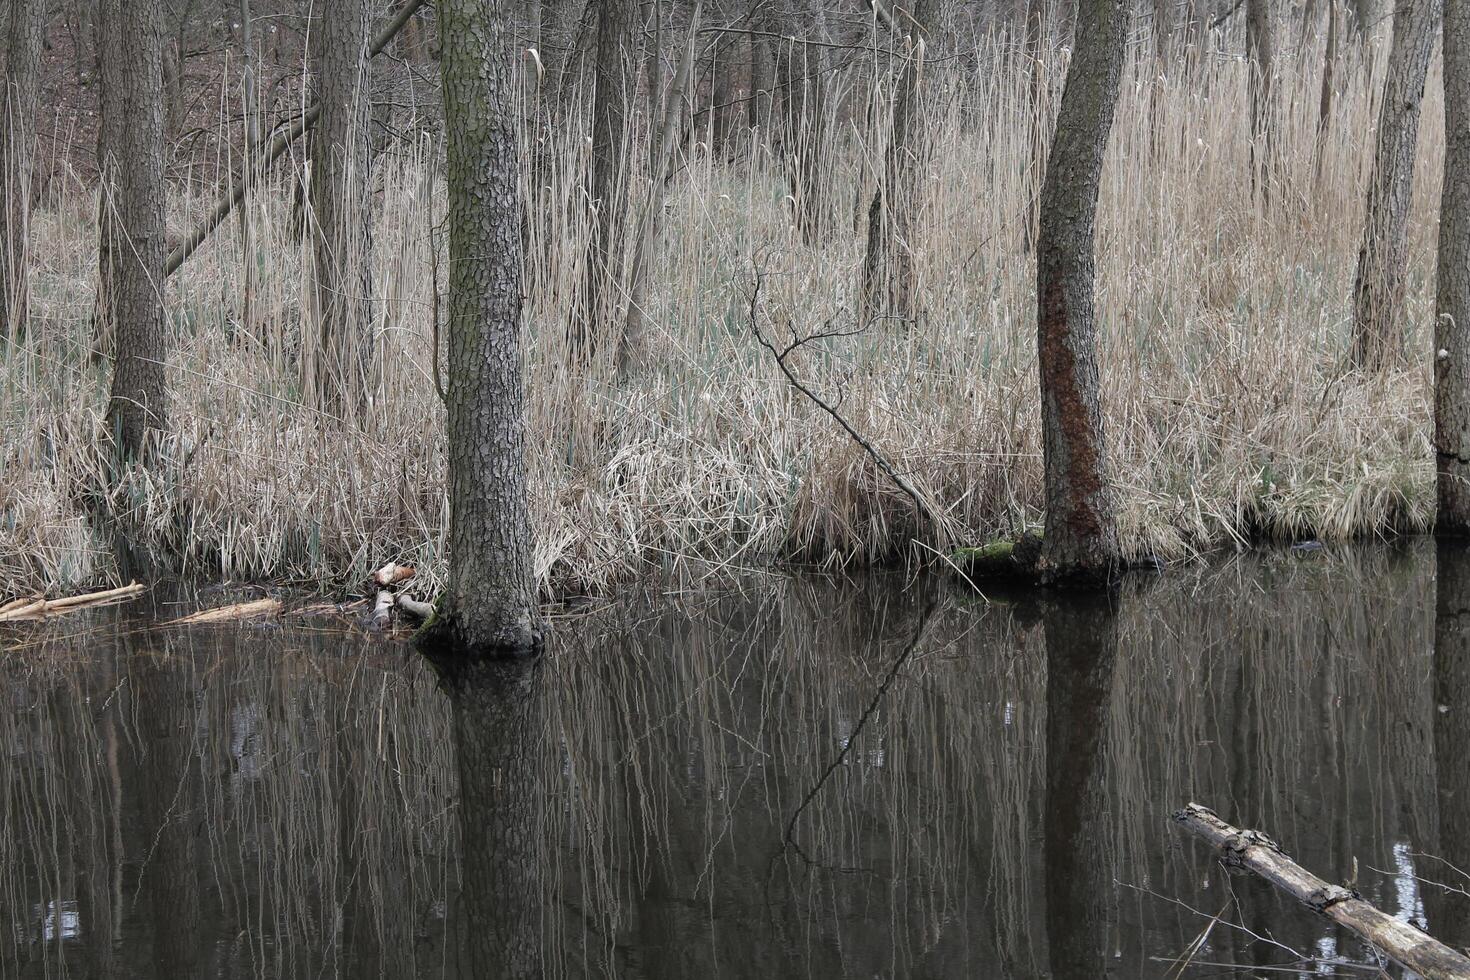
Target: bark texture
pixel 341 159
pixel 132 80
pixel 1260 64
pixel 1452 299
pixel 608 178
pixel 1081 538
pixel 17 155
pixel 1378 291
pixel 888 269
pixel 489 604
pixel 1449 909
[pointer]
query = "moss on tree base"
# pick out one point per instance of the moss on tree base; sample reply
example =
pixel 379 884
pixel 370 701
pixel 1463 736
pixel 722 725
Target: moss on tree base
pixel 1016 561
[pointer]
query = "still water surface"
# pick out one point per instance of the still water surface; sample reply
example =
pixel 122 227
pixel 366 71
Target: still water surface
pixel 799 777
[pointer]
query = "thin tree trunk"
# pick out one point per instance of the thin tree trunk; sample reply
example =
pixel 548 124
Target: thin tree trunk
pixel 888 286
pixel 1081 539
pixel 341 157
pixel 489 605
pixel 1260 65
pixel 608 179
pixel 132 82
pixel 251 167
pixel 800 69
pixel 1452 297
pixel 17 159
pixel 1038 120
pixel 1378 291
pixel 762 69
pixel 1329 87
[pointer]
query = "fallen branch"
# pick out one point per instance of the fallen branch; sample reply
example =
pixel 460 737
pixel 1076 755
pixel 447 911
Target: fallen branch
pixel 273 151
pixel 1258 853
pixel 936 520
pixel 415 608
pixel 41 608
pixel 231 613
pixel 382 611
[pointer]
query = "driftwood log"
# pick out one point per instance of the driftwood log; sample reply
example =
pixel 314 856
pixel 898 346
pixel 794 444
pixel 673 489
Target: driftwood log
pixel 229 614
pixel 40 608
pixel 1255 852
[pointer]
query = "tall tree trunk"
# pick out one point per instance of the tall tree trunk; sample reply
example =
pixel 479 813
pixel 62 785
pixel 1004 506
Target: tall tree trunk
pixel 1449 909
pixel 1081 539
pixel 1452 299
pixel 341 159
pixel 1329 87
pixel 252 141
pixel 1261 68
pixel 1378 291
pixel 1039 119
pixel 762 68
pixel 888 272
pixel 132 111
pixel 489 605
pixel 17 158
pixel 609 179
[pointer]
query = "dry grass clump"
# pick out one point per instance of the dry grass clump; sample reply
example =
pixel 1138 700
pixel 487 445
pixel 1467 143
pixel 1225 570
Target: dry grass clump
pixel 1225 325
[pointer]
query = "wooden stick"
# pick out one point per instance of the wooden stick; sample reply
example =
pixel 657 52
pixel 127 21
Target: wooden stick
pixel 415 608
pixel 382 610
pixel 44 607
pixel 275 149
pixel 230 613
pixel 1254 851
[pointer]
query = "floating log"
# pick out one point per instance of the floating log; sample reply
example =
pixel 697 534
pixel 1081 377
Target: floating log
pixel 392 574
pixel 231 613
pixel 41 608
pixel 1255 852
pixel 415 608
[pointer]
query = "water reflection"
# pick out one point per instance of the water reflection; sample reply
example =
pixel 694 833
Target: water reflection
pixel 773 780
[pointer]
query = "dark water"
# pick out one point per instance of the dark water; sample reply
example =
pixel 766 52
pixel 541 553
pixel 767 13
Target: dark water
pixel 803 777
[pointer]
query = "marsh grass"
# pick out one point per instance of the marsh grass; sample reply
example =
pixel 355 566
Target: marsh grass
pixel 1231 415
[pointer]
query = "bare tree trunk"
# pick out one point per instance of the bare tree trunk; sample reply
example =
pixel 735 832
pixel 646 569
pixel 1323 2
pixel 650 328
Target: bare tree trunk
pixel 252 165
pixel 888 272
pixel 1039 121
pixel 132 82
pixel 1329 87
pixel 1378 291
pixel 341 158
pixel 1452 298
pixel 762 69
pixel 609 178
pixel 17 159
pixel 1081 539
pixel 489 606
pixel 1260 65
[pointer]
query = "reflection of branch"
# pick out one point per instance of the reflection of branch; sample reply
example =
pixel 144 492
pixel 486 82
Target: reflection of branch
pixel 936 519
pixel 789 839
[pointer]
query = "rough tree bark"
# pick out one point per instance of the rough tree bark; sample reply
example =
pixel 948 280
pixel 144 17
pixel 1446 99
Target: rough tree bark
pixel 17 155
pixel 489 605
pixel 131 58
pixel 338 373
pixel 888 286
pixel 1081 539
pixel 608 179
pixel 1260 65
pixel 1452 299
pixel 1378 290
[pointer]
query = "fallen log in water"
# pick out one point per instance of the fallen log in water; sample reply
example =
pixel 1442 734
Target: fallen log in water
pixel 382 611
pixel 1254 851
pixel 230 613
pixel 415 608
pixel 40 608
